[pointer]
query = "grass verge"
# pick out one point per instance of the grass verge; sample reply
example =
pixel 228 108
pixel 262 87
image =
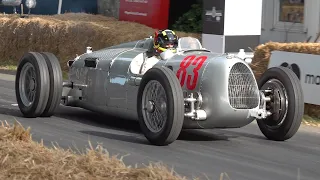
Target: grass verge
pixel 8 65
pixel 23 158
pixel 311 121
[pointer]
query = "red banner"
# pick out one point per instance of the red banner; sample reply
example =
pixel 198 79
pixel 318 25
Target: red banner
pixel 153 13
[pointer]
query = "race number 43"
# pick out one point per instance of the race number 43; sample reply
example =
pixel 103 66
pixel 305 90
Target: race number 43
pixel 192 79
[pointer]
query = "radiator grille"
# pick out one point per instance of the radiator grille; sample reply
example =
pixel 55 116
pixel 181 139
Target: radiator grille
pixel 243 92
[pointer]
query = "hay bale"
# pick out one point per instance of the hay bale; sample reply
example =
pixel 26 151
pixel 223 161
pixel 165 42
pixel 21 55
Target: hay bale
pixel 65 35
pixel 262 56
pixel 263 52
pixel 23 158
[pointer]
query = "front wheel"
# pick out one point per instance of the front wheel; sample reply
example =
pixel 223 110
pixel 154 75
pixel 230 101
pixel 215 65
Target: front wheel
pixel 286 103
pixel 160 106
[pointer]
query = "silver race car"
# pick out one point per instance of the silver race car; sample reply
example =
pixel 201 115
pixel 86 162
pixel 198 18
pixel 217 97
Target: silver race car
pixel 191 89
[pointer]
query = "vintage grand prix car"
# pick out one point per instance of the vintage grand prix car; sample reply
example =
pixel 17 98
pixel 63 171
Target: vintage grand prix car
pixel 191 89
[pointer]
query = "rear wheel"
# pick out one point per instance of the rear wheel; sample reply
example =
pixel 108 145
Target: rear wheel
pixel 55 92
pixel 286 103
pixel 32 84
pixel 160 106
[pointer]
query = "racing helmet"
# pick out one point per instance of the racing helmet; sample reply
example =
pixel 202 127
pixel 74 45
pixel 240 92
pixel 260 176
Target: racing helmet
pixel 165 40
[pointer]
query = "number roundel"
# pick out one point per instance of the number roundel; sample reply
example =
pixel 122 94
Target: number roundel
pixel 191 79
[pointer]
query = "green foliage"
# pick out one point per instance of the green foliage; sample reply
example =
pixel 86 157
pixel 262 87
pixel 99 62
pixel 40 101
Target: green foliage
pixel 191 21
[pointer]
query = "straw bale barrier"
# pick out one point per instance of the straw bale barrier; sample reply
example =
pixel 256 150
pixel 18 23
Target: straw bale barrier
pixel 23 158
pixel 65 35
pixel 262 56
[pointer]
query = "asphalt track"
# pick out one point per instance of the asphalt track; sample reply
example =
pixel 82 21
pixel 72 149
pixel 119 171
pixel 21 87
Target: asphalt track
pixel 243 154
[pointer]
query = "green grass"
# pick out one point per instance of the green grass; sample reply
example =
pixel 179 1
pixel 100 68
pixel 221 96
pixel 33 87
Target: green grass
pixel 312 121
pixel 65 75
pixel 8 65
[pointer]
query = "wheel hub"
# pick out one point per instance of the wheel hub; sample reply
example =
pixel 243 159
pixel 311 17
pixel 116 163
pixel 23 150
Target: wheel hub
pixel 278 103
pixel 150 106
pixel 32 84
pixel 27 89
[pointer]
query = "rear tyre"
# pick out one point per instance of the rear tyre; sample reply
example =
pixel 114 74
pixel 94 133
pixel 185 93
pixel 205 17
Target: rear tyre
pixel 287 103
pixel 160 106
pixel 32 84
pixel 55 92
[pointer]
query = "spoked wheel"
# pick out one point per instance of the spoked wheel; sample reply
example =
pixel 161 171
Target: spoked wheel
pixel 160 106
pixel 154 104
pixel 285 103
pixel 38 84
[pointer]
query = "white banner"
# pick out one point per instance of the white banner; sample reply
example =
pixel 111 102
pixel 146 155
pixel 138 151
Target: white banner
pixel 242 17
pixel 306 67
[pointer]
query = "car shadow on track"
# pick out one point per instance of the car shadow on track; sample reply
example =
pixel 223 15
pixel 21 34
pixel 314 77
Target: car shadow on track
pixel 115 123
pixel 10 111
pixel 89 118
pixel 185 135
pixel 119 137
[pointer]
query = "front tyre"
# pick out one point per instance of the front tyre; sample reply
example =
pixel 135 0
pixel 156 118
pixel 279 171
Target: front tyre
pixel 286 105
pixel 160 106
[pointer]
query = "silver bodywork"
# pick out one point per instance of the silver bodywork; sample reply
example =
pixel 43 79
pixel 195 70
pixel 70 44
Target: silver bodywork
pixel 226 93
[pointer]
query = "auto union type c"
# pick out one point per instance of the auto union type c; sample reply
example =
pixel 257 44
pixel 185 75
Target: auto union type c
pixel 193 88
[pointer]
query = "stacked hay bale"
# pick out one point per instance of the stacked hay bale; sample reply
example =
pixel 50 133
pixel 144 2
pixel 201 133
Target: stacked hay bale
pixel 262 56
pixel 65 35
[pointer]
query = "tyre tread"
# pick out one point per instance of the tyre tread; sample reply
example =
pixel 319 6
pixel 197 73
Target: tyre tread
pixel 179 100
pixel 56 80
pixel 298 90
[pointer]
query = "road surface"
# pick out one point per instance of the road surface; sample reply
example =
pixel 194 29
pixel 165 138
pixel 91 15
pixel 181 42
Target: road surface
pixel 243 154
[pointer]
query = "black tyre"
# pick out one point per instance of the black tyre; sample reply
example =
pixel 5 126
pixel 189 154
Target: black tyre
pixel 32 84
pixel 160 106
pixel 286 105
pixel 56 80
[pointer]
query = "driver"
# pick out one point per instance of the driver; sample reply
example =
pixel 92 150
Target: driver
pixel 163 40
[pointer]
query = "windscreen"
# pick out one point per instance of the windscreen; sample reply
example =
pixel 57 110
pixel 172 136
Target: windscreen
pixel 188 43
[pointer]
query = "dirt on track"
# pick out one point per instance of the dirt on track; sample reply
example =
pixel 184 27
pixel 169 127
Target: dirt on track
pixel 65 35
pixel 23 158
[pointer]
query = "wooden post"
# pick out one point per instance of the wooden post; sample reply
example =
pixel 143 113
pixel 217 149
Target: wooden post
pixel 21 5
pixel 59 6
